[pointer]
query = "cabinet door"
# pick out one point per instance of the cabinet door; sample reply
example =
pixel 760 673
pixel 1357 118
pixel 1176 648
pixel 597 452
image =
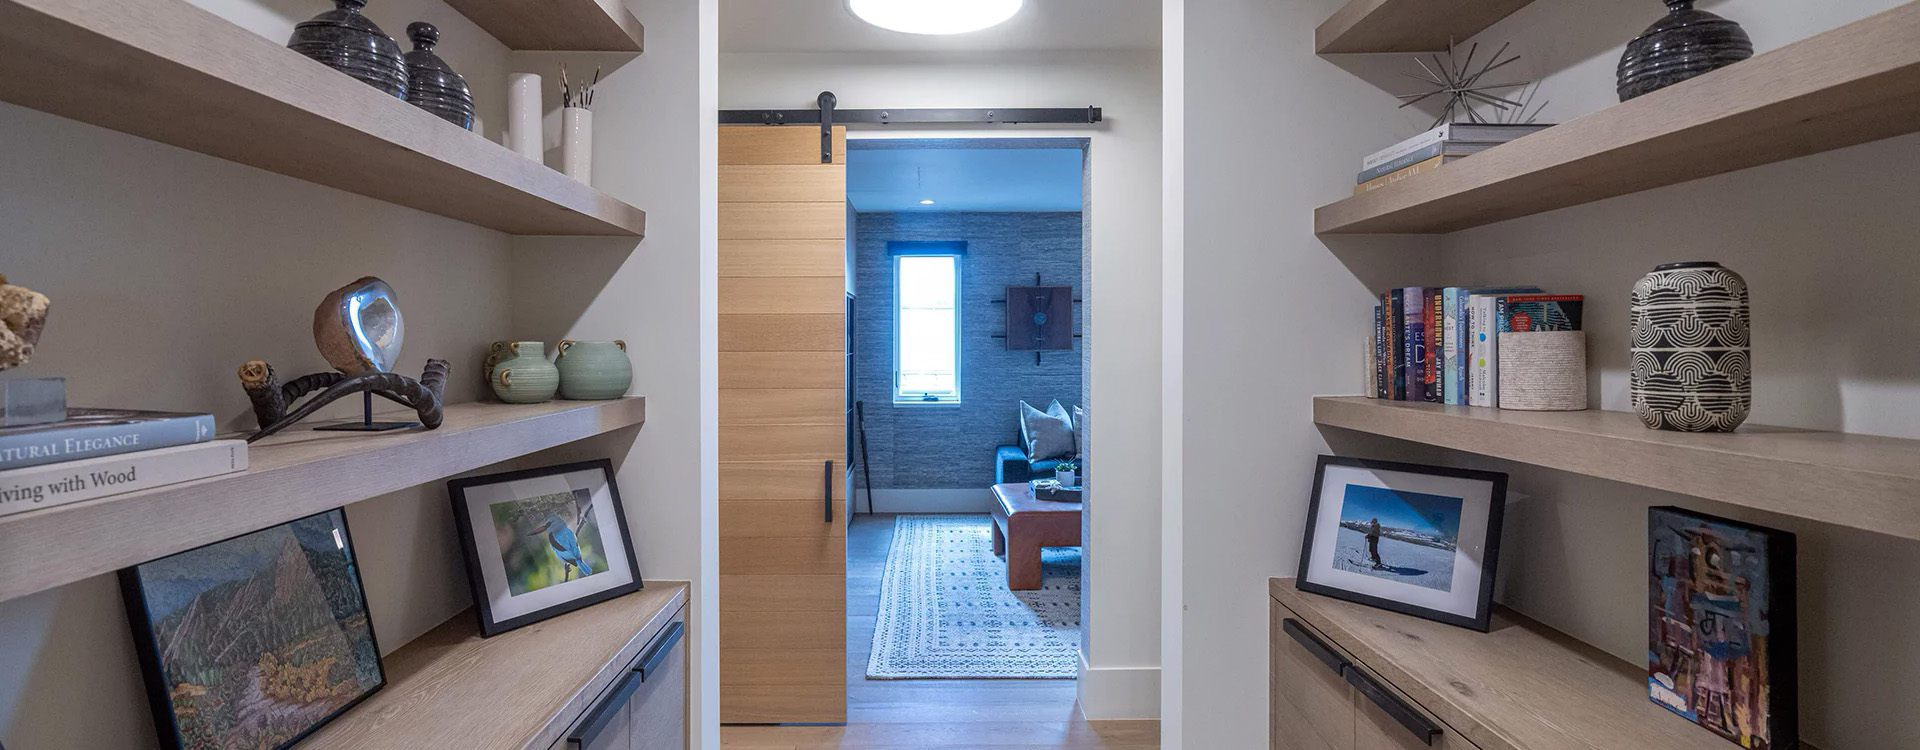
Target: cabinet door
pixel 608 724
pixel 1385 720
pixel 1312 705
pixel 659 707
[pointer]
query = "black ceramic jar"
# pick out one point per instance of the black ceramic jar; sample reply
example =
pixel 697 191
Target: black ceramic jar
pixel 346 41
pixel 1685 44
pixel 431 84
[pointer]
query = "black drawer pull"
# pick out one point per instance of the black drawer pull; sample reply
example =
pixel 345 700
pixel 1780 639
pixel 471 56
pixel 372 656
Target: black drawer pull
pixel 1415 722
pixel 1312 644
pixel 603 712
pixel 662 648
pixel 829 492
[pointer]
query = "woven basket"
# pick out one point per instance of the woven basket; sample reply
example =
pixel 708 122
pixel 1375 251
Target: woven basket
pixel 1543 371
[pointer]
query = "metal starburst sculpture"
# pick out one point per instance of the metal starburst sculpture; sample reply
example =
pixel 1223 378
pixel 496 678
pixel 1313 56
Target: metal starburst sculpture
pixel 1460 83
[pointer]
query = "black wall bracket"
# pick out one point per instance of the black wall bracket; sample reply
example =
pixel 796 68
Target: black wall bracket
pixel 828 114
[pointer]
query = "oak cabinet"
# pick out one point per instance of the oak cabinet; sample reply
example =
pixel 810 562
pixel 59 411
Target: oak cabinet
pixel 646 708
pixel 1321 699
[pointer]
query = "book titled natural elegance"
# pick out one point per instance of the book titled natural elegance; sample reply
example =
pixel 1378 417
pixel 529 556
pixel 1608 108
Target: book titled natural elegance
pixel 91 433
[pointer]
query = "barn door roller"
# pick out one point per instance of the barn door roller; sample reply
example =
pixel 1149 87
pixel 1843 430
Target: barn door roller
pixel 828 114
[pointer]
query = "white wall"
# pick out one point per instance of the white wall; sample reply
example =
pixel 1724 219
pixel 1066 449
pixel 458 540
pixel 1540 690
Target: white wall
pixel 658 296
pixel 1261 317
pixel 1823 240
pixel 168 269
pixel 1122 644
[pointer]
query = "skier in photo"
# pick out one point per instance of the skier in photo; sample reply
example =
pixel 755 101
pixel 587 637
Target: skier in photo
pixel 1373 542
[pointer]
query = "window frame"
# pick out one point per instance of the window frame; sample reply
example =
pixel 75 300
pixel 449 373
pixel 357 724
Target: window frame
pixel 921 399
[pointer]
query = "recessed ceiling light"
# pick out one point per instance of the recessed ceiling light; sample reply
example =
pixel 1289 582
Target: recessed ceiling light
pixel 934 16
pixel 926 201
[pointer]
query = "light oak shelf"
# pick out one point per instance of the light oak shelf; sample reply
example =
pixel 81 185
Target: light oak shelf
pixel 1860 481
pixel 557 25
pixel 519 689
pixel 171 72
pixel 1523 686
pixel 291 475
pixel 1408 25
pixel 1852 85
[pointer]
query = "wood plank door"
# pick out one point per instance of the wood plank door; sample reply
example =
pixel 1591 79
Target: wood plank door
pixel 782 426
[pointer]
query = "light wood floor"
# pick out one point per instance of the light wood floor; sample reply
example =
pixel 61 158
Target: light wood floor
pixel 938 714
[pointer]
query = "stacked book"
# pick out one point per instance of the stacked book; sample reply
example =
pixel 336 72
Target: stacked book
pixel 1430 150
pixel 99 452
pixel 1441 344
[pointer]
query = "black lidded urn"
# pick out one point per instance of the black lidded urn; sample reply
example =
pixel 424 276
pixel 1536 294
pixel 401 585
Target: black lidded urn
pixel 1683 45
pixel 346 41
pixel 431 84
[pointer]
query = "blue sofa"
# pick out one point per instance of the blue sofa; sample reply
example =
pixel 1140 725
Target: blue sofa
pixel 1010 464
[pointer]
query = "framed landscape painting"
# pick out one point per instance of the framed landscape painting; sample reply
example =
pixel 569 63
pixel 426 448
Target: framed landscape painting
pixel 1419 540
pixel 542 542
pixel 255 641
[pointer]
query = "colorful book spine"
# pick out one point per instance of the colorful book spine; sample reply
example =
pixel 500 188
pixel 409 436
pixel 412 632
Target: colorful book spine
pixel 49 485
pixel 1459 346
pixel 1452 335
pixel 1483 377
pixel 1400 162
pixel 1398 175
pixel 1396 387
pixel 91 433
pixel 1433 318
pixel 1413 344
pixel 1378 365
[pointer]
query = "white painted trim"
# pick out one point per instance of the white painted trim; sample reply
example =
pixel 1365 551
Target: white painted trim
pixel 1173 175
pixel 1118 692
pixel 952 500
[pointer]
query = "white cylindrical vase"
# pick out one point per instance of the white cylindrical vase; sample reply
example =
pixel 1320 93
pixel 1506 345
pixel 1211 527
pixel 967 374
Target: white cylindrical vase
pixel 523 115
pixel 1543 370
pixel 576 143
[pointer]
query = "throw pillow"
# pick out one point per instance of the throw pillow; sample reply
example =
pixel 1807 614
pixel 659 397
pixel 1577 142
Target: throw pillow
pixel 1080 436
pixel 1048 434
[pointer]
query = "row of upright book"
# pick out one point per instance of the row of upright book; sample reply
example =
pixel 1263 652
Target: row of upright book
pixel 99 452
pixel 1441 344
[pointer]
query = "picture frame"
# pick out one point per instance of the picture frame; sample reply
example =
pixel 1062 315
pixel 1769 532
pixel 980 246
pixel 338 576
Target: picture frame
pixel 543 542
pixel 1409 538
pixel 1723 625
pixel 271 623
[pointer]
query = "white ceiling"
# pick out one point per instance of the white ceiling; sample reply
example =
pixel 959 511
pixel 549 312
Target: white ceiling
pixel 826 26
pixel 964 179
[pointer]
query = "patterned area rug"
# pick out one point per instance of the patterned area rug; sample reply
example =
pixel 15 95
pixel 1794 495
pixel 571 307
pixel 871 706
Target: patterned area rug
pixel 946 613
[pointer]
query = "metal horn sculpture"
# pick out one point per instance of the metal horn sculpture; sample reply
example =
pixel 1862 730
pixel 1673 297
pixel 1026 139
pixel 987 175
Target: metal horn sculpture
pixel 271 397
pixel 358 329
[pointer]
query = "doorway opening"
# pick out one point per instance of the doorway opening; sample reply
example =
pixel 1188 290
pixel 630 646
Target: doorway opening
pixel 967 262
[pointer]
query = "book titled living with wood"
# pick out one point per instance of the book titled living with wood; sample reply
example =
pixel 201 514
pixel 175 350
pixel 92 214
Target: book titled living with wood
pixel 49 485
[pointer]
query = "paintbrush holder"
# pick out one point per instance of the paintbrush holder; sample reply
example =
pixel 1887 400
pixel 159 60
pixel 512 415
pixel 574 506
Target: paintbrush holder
pixel 576 143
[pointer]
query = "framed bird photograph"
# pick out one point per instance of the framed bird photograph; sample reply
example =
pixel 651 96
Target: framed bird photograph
pixel 542 542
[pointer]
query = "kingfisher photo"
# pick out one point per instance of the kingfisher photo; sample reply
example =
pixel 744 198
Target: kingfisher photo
pixel 548 539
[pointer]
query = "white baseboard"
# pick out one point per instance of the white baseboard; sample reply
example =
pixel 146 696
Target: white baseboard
pixel 1119 692
pixel 956 500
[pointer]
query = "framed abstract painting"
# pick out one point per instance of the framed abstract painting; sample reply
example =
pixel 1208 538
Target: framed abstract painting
pixel 542 542
pixel 1418 540
pixel 1721 627
pixel 255 641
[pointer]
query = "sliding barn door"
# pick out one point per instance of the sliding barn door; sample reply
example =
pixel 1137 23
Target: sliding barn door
pixel 782 426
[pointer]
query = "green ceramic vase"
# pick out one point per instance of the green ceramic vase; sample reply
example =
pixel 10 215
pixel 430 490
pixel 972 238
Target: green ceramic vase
pixel 522 374
pixel 594 370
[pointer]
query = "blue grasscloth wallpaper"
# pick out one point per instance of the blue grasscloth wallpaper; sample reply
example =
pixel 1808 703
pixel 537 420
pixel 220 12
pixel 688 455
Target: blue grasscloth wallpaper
pixel 944 446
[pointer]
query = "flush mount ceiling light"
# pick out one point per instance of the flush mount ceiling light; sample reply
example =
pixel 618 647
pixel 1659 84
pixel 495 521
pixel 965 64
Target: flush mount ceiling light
pixel 926 201
pixel 934 16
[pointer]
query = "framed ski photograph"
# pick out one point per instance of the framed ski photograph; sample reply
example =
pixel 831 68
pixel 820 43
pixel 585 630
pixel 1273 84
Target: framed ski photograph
pixel 1418 540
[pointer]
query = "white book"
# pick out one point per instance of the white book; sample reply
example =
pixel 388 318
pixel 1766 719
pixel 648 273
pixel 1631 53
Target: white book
pixel 48 485
pixel 1483 359
pixel 1405 147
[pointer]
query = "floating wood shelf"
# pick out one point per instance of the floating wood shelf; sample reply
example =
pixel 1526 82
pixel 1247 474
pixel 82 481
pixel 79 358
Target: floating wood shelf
pixel 517 690
pixel 291 475
pixel 1408 25
pixel 1855 84
pixel 171 72
pixel 1523 686
pixel 557 25
pixel 1859 481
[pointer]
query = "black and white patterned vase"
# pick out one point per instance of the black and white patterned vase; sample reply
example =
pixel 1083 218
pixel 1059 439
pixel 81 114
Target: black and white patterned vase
pixel 1691 348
